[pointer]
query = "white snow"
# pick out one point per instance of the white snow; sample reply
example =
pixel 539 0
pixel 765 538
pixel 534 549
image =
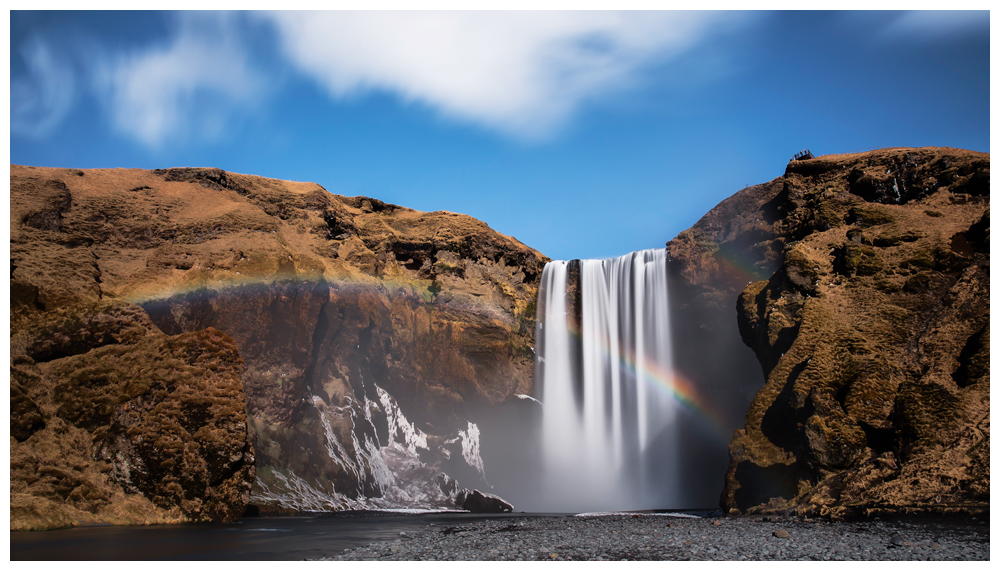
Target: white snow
pixel 404 483
pixel 411 436
pixel 470 448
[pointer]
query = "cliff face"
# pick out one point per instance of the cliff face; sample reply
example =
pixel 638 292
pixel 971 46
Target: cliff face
pixel 114 422
pixel 361 339
pixel 868 310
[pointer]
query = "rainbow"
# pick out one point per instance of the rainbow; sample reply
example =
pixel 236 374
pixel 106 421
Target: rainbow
pixel 670 383
pixel 666 381
pixel 225 281
pixel 682 390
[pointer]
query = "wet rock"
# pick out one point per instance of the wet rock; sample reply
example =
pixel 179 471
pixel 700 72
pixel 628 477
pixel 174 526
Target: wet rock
pixel 478 502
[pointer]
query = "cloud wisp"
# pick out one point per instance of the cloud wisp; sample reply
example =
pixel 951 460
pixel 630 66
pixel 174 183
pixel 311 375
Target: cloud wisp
pixel 40 101
pixel 521 73
pixel 924 25
pixel 190 86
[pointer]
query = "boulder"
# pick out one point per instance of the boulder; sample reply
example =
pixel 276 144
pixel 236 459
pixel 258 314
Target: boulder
pixel 478 502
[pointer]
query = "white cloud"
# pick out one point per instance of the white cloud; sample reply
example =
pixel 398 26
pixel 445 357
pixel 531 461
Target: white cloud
pixel 40 101
pixel 920 25
pixel 192 84
pixel 522 73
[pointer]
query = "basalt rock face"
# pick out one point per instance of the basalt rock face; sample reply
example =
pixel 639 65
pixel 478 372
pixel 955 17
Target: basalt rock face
pixel 364 338
pixel 871 326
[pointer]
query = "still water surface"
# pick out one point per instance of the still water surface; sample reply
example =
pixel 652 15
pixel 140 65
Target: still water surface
pixel 257 538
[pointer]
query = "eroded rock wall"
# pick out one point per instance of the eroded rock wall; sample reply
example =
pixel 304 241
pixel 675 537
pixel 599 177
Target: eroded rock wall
pixel 872 331
pixel 369 335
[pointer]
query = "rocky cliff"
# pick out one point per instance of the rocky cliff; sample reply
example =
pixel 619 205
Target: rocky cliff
pixel 861 282
pixel 188 341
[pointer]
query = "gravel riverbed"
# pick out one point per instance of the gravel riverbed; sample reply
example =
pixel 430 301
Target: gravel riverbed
pixel 634 537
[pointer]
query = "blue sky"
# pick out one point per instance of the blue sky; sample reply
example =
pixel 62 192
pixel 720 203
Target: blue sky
pixel 583 134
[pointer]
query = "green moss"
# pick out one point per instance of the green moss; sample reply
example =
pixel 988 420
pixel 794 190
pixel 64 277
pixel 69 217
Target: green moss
pixel 531 308
pixel 886 285
pixel 136 388
pixel 801 270
pixel 827 216
pixel 921 260
pixel 867 216
pixel 858 260
pixel 889 239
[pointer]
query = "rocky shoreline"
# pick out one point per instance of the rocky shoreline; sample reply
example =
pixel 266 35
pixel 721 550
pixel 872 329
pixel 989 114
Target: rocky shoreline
pixel 669 537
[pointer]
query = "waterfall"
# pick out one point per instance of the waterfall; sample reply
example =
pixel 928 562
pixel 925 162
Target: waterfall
pixel 603 371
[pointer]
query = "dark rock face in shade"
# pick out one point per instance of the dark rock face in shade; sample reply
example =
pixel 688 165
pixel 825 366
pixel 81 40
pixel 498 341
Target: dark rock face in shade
pixel 868 311
pixel 186 342
pixel 478 502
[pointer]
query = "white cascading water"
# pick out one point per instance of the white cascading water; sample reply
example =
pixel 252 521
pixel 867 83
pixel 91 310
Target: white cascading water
pixel 606 389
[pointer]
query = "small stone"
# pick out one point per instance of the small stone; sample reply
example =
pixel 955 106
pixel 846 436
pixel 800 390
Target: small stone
pixel 780 533
pixel 553 555
pixel 716 522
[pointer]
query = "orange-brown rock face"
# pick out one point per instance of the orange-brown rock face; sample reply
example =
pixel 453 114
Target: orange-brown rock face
pixel 368 335
pixel 114 422
pixel 872 331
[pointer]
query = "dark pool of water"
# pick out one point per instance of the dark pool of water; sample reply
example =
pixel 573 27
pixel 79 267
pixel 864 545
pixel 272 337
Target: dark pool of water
pixel 250 539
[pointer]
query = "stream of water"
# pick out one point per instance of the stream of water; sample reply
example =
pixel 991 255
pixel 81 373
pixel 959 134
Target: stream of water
pixel 604 378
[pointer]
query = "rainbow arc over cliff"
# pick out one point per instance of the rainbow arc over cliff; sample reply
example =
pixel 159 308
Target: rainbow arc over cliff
pixel 234 282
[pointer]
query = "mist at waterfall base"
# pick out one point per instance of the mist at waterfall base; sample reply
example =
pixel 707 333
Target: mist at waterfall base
pixel 616 429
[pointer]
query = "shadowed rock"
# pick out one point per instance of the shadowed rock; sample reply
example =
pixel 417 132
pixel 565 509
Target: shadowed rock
pixel 478 502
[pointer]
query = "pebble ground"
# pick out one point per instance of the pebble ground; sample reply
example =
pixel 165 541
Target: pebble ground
pixel 635 537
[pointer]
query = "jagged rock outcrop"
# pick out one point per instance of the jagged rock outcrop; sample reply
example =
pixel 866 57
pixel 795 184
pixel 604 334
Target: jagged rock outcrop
pixel 868 310
pixel 368 334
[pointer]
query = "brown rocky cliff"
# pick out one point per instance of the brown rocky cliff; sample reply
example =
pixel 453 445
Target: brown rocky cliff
pixel 113 422
pixel 869 314
pixel 331 301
